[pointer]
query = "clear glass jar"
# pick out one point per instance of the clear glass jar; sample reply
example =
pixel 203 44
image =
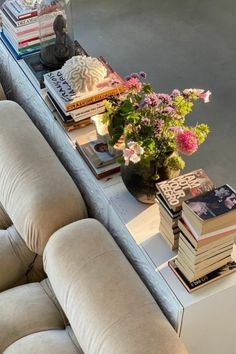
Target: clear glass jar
pixel 56 32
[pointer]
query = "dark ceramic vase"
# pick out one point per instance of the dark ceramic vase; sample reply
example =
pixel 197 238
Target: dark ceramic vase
pixel 140 182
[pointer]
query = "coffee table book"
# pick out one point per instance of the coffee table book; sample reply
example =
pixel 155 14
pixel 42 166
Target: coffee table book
pixel 217 274
pixel 102 164
pixel 174 191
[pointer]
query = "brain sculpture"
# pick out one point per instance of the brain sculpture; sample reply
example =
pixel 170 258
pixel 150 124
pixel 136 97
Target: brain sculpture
pixel 83 73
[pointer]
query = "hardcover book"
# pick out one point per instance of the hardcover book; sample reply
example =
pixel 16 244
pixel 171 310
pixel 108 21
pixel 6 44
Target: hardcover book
pixel 212 211
pixel 205 280
pixel 69 100
pixel 79 115
pixel 18 11
pixel 184 187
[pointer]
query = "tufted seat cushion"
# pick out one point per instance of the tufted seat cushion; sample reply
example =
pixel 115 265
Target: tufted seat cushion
pixel 46 342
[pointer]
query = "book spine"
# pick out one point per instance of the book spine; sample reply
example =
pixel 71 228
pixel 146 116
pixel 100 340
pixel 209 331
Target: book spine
pixel 98 97
pixel 86 109
pixel 88 114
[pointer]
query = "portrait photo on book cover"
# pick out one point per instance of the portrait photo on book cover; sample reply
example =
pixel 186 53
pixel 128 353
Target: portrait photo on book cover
pixel 217 202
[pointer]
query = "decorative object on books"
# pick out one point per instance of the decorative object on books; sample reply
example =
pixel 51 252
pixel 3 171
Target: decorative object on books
pixel 69 101
pixel 153 125
pixel 55 50
pixel 101 128
pixel 83 73
pixel 103 135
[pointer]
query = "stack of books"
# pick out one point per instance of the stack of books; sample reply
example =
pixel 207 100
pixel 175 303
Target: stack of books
pixel 170 196
pixel 76 108
pixel 208 230
pixel 20 28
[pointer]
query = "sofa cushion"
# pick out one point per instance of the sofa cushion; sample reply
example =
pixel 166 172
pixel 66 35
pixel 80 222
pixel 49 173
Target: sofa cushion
pixel 15 258
pixel 25 310
pixel 2 93
pixel 45 342
pixel 5 221
pixel 35 189
pixel 109 308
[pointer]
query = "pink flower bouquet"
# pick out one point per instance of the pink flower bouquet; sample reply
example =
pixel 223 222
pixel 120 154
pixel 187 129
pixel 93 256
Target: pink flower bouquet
pixel 153 124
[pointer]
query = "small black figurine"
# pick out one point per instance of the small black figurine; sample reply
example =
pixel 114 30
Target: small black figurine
pixel 64 47
pixel 55 55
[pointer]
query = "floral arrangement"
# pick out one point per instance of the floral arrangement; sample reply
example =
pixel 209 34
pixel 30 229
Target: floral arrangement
pixel 153 124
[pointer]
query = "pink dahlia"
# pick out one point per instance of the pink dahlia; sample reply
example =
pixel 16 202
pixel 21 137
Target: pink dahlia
pixel 186 141
pixel 133 83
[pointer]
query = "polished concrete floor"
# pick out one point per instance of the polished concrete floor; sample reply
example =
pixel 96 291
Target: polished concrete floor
pixel 179 43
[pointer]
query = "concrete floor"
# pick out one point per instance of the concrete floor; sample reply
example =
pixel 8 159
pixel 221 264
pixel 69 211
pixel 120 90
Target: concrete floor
pixel 180 44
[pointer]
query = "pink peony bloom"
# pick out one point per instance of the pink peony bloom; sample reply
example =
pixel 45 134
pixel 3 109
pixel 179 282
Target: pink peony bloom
pixel 132 153
pixel 205 96
pixel 133 83
pixel 186 141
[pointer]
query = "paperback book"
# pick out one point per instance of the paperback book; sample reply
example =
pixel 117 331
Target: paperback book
pixel 176 190
pixel 217 274
pixel 212 211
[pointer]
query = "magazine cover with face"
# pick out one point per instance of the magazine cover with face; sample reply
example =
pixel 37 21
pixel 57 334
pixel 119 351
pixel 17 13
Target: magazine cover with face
pixel 216 202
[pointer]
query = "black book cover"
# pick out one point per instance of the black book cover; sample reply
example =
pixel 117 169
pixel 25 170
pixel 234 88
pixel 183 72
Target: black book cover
pixel 217 202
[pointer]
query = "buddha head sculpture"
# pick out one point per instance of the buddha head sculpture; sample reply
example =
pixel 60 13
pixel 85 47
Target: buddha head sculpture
pixel 83 73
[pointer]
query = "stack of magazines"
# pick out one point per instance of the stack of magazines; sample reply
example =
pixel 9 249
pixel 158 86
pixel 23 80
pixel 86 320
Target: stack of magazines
pixel 208 230
pixel 20 27
pixel 170 196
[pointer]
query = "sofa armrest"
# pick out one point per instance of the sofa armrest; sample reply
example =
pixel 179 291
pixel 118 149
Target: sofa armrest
pixel 109 308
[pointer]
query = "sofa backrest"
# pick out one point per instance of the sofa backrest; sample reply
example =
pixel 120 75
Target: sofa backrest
pixel 35 189
pixel 109 308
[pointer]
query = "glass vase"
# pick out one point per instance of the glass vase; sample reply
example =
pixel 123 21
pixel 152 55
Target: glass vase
pixel 140 181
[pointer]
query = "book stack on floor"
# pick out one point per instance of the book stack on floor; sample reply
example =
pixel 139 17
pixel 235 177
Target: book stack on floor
pixel 170 196
pixel 208 230
pixel 75 109
pixel 20 28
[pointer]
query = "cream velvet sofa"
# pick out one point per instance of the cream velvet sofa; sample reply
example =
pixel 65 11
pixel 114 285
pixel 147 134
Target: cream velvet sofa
pixel 93 302
pixel 37 197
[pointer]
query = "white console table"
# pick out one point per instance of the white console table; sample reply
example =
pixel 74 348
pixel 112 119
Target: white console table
pixel 204 319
